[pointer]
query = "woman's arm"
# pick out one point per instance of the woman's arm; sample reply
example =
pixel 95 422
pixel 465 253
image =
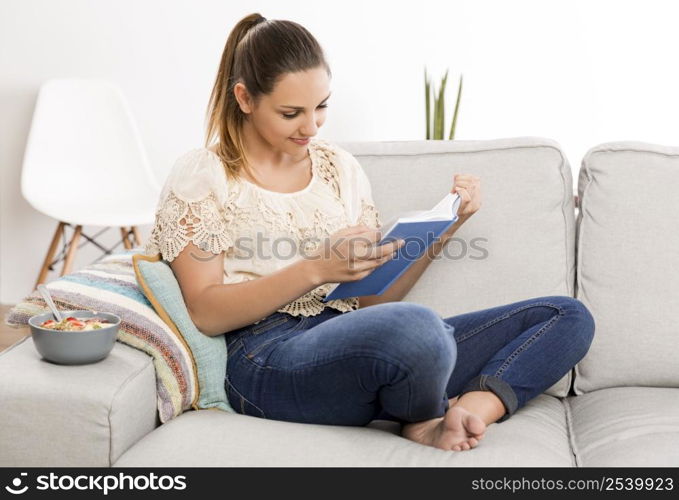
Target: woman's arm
pixel 216 308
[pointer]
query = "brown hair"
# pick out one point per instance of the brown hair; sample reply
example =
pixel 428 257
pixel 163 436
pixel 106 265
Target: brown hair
pixel 257 53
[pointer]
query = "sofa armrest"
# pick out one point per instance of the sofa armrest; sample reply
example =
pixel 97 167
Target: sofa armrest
pixel 68 416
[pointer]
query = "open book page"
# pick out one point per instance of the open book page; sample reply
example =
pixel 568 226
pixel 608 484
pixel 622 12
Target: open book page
pixel 446 209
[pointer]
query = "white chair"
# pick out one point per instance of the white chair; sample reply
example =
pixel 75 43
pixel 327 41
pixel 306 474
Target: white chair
pixel 85 165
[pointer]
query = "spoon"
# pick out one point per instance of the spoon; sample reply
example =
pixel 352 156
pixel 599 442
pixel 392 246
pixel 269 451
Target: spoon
pixel 48 299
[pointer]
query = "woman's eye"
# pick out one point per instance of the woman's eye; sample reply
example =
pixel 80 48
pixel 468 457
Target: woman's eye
pixel 294 115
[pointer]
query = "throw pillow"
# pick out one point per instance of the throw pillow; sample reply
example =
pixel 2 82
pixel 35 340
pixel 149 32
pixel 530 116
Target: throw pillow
pixel 158 282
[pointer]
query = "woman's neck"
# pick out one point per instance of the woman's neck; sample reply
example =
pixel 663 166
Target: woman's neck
pixel 260 153
pixel 283 179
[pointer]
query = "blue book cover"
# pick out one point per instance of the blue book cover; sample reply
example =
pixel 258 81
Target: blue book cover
pixel 419 230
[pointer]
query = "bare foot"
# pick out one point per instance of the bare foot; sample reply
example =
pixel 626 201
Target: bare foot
pixel 457 430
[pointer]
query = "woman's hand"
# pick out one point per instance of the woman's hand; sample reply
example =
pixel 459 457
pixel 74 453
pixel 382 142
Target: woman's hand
pixel 469 189
pixel 350 255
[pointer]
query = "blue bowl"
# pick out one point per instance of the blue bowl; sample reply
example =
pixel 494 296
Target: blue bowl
pixel 74 347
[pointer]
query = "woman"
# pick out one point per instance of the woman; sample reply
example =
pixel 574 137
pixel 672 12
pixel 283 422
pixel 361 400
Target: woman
pixel 224 212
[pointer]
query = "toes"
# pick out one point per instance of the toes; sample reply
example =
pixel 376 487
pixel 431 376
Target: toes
pixel 465 445
pixel 473 442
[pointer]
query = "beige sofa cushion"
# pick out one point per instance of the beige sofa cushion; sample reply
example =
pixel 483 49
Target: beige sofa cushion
pixel 519 245
pixel 628 252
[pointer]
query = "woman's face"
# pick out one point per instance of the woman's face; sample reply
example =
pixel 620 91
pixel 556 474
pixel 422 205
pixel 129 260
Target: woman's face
pixel 275 118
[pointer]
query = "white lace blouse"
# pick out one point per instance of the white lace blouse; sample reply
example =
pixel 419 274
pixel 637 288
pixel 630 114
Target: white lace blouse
pixel 261 231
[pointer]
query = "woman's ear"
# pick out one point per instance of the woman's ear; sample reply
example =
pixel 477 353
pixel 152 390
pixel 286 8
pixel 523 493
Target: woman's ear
pixel 242 96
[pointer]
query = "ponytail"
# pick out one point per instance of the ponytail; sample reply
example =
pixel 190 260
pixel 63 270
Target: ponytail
pixel 257 52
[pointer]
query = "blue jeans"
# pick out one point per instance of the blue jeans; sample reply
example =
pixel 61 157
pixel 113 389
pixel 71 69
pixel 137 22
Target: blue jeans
pixel 400 360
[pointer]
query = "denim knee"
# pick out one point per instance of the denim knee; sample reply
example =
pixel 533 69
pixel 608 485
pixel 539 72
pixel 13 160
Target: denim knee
pixel 587 325
pixel 578 311
pixel 418 338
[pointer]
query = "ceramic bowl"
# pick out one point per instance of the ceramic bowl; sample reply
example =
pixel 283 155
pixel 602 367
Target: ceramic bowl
pixel 74 347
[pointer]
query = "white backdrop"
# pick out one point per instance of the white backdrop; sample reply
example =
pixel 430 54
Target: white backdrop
pixel 579 72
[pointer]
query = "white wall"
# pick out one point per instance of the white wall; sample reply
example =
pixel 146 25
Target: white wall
pixel 577 72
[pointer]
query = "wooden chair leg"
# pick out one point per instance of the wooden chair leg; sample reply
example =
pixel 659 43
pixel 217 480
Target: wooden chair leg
pixel 73 245
pixel 125 234
pixel 137 238
pixel 42 276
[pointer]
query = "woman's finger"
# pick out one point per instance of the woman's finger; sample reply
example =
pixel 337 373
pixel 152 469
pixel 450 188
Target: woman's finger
pixel 380 252
pixel 360 245
pixel 386 248
pixel 469 184
pixel 360 266
pixel 471 188
pixel 462 177
pixel 465 197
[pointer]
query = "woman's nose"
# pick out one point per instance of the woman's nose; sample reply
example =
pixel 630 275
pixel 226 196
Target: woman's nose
pixel 310 127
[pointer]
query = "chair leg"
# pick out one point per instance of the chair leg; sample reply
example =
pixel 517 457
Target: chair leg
pixel 42 276
pixel 127 237
pixel 125 233
pixel 73 245
pixel 137 238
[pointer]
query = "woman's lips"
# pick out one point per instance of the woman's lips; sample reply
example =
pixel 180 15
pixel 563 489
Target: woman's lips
pixel 301 142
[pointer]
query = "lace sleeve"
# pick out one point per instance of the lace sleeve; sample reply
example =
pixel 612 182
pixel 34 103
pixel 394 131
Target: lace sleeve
pixel 191 207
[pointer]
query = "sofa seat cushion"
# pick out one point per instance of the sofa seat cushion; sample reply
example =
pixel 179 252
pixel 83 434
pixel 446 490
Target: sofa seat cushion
pixel 626 427
pixel 73 416
pixel 535 436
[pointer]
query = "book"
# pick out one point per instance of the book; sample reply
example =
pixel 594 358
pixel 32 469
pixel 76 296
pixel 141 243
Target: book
pixel 419 229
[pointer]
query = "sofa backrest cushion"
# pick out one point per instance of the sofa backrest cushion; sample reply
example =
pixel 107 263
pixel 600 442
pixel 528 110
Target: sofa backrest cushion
pixel 628 253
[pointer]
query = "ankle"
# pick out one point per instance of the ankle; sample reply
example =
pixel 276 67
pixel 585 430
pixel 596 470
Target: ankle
pixel 485 404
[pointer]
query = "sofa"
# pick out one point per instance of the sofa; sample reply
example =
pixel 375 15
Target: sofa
pixel 614 247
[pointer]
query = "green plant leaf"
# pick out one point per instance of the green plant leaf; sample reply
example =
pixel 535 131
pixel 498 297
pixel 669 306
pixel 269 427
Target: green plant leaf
pixel 439 122
pixel 457 106
pixel 439 110
pixel 426 104
pixel 434 121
